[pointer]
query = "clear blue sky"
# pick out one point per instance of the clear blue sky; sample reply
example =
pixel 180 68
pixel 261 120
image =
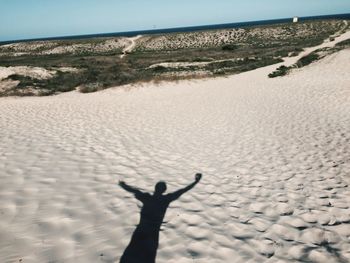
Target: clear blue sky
pixel 21 19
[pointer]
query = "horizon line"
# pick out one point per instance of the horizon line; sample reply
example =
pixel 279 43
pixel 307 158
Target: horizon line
pixel 172 29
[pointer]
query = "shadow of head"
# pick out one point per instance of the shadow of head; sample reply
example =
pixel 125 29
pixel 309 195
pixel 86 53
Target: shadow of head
pixel 160 188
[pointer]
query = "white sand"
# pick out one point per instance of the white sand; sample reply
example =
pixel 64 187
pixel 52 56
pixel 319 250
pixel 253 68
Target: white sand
pixel 33 72
pixel 27 71
pixel 275 154
pixel 130 47
pixel 327 44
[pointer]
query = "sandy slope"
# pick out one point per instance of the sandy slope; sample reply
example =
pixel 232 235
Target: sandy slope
pixel 275 154
pixel 342 37
pixel 132 44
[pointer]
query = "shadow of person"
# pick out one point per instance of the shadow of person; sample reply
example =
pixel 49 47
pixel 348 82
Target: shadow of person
pixel 144 242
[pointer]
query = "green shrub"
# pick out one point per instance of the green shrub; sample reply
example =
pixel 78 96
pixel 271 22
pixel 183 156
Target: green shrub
pixel 202 59
pixel 279 72
pixel 307 60
pixel 343 43
pixel 229 47
pixel 281 53
pixel 90 87
pixel 294 54
pixel 159 69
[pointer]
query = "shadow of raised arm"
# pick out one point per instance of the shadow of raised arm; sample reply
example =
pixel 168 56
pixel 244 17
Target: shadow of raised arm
pixel 137 193
pixel 175 195
pixel 129 188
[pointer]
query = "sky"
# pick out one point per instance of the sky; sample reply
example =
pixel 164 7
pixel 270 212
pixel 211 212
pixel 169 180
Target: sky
pixel 23 19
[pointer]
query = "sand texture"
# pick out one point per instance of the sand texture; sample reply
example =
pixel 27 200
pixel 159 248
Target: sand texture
pixel 274 153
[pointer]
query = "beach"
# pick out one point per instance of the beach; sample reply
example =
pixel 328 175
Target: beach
pixel 274 154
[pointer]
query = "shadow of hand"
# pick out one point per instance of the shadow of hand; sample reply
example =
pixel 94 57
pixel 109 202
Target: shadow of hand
pixel 198 177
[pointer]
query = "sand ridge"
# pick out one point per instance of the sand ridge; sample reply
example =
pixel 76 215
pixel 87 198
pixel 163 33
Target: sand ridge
pixel 274 154
pixel 129 48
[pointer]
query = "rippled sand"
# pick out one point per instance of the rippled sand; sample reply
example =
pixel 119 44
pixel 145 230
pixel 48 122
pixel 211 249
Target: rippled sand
pixel 274 153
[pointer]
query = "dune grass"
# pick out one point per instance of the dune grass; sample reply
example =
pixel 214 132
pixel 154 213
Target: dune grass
pixel 97 71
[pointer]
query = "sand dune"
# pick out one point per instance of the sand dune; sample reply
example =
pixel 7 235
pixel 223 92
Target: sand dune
pixel 129 48
pixel 39 48
pixel 274 153
pixel 250 35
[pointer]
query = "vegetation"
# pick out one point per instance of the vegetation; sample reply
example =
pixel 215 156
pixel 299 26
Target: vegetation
pixel 61 82
pixel 97 70
pixel 298 34
pixel 229 47
pixel 343 44
pixel 279 72
pixel 308 59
